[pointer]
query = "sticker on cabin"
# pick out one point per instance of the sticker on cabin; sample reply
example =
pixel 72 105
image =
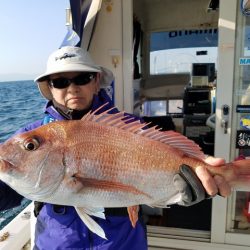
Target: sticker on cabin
pixel 247 41
pixel 245 122
pixel 243 139
pixel 243 109
pixel 244 61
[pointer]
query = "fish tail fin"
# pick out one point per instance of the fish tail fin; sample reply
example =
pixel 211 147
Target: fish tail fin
pixel 84 214
pixel 240 175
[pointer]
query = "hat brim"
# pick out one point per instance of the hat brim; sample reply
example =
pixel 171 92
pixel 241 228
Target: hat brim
pixel 106 78
pixel 67 68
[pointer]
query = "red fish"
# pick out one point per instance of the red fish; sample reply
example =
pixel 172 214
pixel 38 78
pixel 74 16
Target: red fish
pixel 104 160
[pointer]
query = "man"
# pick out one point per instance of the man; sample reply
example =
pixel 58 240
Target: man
pixel 72 84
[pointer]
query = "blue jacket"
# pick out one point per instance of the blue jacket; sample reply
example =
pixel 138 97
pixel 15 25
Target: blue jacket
pixel 60 227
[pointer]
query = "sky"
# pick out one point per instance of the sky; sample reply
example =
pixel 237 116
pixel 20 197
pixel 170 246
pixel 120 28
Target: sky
pixel 29 31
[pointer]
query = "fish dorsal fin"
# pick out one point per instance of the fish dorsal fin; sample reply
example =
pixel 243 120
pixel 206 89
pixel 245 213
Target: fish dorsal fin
pixel 132 124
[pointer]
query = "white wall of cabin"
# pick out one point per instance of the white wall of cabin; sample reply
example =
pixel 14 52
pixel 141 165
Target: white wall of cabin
pixel 107 42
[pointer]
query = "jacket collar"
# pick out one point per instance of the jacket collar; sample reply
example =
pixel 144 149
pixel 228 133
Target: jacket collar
pixel 62 113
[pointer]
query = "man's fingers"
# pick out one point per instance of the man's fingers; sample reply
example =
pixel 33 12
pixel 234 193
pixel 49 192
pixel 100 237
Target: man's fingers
pixel 207 180
pixel 224 188
pixel 214 161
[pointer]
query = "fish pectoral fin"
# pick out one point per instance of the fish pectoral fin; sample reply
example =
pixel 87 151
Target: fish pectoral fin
pixel 84 214
pixel 106 185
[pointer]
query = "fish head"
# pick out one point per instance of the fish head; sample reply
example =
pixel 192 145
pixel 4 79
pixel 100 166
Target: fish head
pixel 32 163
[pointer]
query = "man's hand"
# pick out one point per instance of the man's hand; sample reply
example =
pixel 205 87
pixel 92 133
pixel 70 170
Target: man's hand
pixel 213 184
pixel 199 185
pixel 189 186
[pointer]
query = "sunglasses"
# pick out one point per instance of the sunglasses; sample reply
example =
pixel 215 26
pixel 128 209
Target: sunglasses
pixel 80 80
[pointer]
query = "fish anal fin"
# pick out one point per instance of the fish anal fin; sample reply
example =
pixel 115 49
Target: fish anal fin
pixel 133 215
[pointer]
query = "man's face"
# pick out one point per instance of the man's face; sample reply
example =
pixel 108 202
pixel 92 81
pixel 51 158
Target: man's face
pixel 77 97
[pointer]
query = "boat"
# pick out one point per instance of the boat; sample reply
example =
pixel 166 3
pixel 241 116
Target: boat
pixel 182 65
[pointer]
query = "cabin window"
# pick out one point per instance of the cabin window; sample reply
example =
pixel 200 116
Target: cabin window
pixel 176 51
pixel 175 106
pixel 155 108
pixel 162 107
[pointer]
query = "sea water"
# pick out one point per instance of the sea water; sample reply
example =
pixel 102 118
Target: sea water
pixel 20 104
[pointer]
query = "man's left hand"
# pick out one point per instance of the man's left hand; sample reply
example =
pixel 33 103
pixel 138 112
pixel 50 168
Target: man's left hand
pixel 213 184
pixel 199 185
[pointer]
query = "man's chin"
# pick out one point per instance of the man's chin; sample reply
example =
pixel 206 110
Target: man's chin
pixel 76 104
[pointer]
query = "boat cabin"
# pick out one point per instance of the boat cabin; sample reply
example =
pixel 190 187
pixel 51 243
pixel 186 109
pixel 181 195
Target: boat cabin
pixel 177 64
pixel 183 65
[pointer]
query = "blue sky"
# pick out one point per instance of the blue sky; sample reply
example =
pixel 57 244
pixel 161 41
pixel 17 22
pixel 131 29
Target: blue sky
pixel 30 31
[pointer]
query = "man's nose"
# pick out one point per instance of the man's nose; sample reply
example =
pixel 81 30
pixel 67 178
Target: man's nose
pixel 73 86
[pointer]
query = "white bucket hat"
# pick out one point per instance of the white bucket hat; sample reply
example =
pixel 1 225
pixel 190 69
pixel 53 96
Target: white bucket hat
pixel 71 59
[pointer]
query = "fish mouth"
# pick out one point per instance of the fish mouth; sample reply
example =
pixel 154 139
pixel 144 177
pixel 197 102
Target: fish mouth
pixel 7 171
pixel 5 166
pixel 23 184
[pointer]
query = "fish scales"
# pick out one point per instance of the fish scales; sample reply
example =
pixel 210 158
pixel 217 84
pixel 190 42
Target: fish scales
pixel 103 161
pixel 118 161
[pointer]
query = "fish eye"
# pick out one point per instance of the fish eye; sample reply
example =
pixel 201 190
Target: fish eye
pixel 31 144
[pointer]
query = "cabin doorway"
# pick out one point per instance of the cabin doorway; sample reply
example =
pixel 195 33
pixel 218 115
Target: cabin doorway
pixel 174 84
